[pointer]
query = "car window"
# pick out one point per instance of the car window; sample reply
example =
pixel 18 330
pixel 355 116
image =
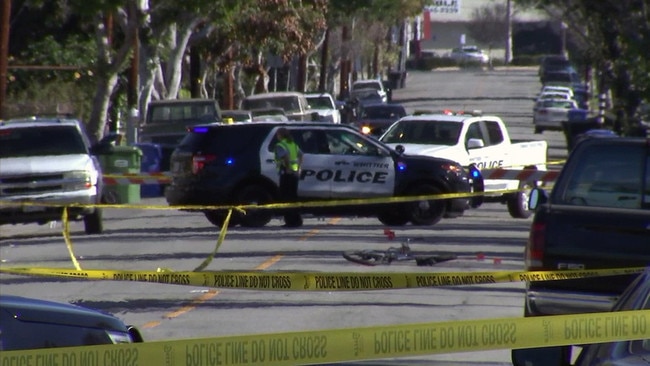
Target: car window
pixel 342 142
pixel 320 103
pixel 290 104
pixel 494 132
pixel 610 178
pixel 310 141
pixel 47 140
pixel 383 112
pixel 474 132
pixel 423 132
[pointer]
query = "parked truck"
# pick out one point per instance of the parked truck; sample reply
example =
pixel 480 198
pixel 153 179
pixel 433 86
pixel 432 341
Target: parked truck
pixel 473 139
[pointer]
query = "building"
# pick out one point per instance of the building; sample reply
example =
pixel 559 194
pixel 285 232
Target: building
pixel 443 26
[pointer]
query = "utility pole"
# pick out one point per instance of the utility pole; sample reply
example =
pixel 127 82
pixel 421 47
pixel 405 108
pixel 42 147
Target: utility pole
pixel 508 56
pixel 4 53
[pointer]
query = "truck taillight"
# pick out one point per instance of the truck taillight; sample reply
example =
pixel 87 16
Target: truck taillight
pixel 535 248
pixel 199 161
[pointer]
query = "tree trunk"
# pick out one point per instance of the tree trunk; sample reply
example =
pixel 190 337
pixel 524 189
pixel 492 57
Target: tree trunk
pixel 322 81
pixel 101 100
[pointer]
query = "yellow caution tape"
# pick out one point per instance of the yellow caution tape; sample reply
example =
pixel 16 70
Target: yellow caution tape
pixel 353 344
pixel 320 281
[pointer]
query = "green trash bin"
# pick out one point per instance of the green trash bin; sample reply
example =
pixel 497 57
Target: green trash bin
pixel 120 160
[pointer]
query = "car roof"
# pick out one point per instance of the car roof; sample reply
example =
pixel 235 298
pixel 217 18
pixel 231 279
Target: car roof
pixel 39 121
pixel 182 101
pixel 314 95
pixel 274 95
pixel 271 124
pixel 36 310
pixel 438 117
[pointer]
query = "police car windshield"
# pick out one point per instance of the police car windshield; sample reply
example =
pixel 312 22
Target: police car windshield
pixel 423 132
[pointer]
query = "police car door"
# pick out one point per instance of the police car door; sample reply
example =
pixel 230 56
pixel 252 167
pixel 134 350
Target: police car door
pixel 311 140
pixel 478 155
pixel 358 166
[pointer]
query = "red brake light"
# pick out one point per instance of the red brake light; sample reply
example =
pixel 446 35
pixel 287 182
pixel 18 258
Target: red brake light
pixel 535 249
pixel 199 161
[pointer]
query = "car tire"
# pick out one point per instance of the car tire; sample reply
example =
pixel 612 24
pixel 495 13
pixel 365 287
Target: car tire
pixel 254 195
pixel 217 218
pixel 423 213
pixel 93 222
pixel 518 202
pixel 397 218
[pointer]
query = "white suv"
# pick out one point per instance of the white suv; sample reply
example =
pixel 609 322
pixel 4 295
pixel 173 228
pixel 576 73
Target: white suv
pixel 48 161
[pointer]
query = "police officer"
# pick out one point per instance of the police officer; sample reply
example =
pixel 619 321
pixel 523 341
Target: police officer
pixel 288 158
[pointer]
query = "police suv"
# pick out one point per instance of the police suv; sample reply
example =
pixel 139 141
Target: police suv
pixel 233 164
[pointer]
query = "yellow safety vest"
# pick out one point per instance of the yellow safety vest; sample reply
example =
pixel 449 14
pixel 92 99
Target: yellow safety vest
pixel 292 149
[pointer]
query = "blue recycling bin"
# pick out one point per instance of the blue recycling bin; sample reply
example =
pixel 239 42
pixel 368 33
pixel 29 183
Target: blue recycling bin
pixel 152 156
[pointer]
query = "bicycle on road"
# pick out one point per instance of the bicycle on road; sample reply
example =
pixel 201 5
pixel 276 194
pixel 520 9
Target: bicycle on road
pixel 372 257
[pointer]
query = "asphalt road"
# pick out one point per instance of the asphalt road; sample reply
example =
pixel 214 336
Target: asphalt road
pixel 486 239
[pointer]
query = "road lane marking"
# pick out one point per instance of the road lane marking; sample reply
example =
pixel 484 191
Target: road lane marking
pixel 212 293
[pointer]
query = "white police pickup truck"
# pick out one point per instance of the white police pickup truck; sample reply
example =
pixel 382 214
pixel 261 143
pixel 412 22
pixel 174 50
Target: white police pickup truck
pixel 471 138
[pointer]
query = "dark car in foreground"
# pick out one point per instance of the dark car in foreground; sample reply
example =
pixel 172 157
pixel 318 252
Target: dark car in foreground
pixel 621 353
pixel 27 323
pixel 597 216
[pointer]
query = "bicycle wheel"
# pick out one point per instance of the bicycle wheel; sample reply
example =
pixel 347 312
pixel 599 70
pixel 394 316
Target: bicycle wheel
pixel 366 257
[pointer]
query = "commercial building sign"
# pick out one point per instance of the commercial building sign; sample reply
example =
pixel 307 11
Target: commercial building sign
pixel 443 6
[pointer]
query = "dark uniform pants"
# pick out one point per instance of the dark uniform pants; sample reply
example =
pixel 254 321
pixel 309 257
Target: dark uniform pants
pixel 289 193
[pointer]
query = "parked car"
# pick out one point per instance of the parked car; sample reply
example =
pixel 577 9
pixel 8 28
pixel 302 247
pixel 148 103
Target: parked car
pixel 374 119
pixel 233 164
pixel 166 121
pixel 556 88
pixel 27 323
pixel 568 77
pixel 596 216
pixel 49 160
pixel 237 115
pixel 324 105
pixel 548 114
pixel 553 63
pixel 469 54
pixel 374 84
pixel 554 95
pixel 294 105
pixel 622 353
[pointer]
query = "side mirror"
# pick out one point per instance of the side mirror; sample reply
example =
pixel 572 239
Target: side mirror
pixel 475 143
pixel 400 149
pixel 315 116
pixel 537 197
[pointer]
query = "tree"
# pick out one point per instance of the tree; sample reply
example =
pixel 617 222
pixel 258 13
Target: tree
pixel 489 25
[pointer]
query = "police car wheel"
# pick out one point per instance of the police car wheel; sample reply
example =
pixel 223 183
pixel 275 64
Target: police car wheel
pixel 254 195
pixel 426 212
pixel 393 218
pixel 518 202
pixel 93 222
pixel 217 218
